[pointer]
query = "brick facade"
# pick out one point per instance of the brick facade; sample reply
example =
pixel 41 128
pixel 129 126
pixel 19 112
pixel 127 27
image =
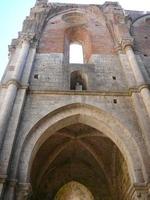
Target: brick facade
pixel 86 125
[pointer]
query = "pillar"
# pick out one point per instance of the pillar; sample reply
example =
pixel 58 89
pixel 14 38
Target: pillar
pixel 7 106
pixel 10 136
pixel 144 91
pixel 12 87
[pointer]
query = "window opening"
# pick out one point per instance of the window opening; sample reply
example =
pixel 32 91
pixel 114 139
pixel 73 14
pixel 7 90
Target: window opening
pixel 76 53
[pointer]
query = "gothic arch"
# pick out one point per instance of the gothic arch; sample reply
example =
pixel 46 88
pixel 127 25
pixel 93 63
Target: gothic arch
pixel 88 115
pixel 73 188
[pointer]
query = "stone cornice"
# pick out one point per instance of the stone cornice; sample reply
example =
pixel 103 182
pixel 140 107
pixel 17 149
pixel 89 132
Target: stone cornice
pixel 128 92
pixel 14 82
pixel 91 93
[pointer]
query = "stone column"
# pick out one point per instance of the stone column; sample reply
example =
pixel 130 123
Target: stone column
pixel 6 108
pixel 143 118
pixel 10 96
pixel 145 93
pixel 23 191
pixel 25 45
pixel 12 87
pixel 10 137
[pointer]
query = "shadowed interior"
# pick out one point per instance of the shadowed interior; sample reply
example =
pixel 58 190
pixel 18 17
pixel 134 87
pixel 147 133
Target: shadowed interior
pixel 83 154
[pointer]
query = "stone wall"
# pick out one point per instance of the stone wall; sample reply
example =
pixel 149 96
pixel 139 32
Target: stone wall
pixel 39 99
pixel 104 73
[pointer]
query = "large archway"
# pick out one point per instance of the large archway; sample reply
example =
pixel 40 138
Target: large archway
pixel 81 153
pixel 82 143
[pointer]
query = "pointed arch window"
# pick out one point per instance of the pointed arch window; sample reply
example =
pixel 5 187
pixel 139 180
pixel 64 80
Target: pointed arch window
pixel 76 53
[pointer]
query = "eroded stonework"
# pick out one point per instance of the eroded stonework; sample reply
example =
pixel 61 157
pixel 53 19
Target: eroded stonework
pixel 77 130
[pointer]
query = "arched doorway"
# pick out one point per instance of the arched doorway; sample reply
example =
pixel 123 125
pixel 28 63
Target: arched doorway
pixel 74 191
pixel 81 143
pixel 81 153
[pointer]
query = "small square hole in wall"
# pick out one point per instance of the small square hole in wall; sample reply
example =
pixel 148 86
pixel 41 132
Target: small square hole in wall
pixel 36 76
pixel 52 22
pixel 145 55
pixel 146 37
pixel 114 77
pixel 115 101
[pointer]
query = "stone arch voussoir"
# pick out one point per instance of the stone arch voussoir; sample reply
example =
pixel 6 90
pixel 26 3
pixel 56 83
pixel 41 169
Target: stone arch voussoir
pixel 88 115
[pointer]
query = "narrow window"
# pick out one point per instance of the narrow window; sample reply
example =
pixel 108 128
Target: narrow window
pixel 76 53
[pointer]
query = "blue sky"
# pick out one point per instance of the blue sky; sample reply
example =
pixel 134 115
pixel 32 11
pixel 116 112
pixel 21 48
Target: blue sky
pixel 13 12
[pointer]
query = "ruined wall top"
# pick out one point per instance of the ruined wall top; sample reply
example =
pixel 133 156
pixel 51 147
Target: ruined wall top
pixel 43 11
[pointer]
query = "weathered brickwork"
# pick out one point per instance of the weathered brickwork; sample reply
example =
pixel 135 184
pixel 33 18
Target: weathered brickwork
pixel 104 73
pixel 57 29
pixel 77 130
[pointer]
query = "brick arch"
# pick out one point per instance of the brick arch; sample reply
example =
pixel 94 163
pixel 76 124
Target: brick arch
pixel 88 115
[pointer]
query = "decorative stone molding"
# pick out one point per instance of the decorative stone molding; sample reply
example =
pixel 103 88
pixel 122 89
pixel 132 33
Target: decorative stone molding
pixel 19 85
pixel 25 37
pixel 139 192
pixel 14 82
pixel 12 182
pixel 23 190
pixel 3 179
pixel 126 43
pixel 118 49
